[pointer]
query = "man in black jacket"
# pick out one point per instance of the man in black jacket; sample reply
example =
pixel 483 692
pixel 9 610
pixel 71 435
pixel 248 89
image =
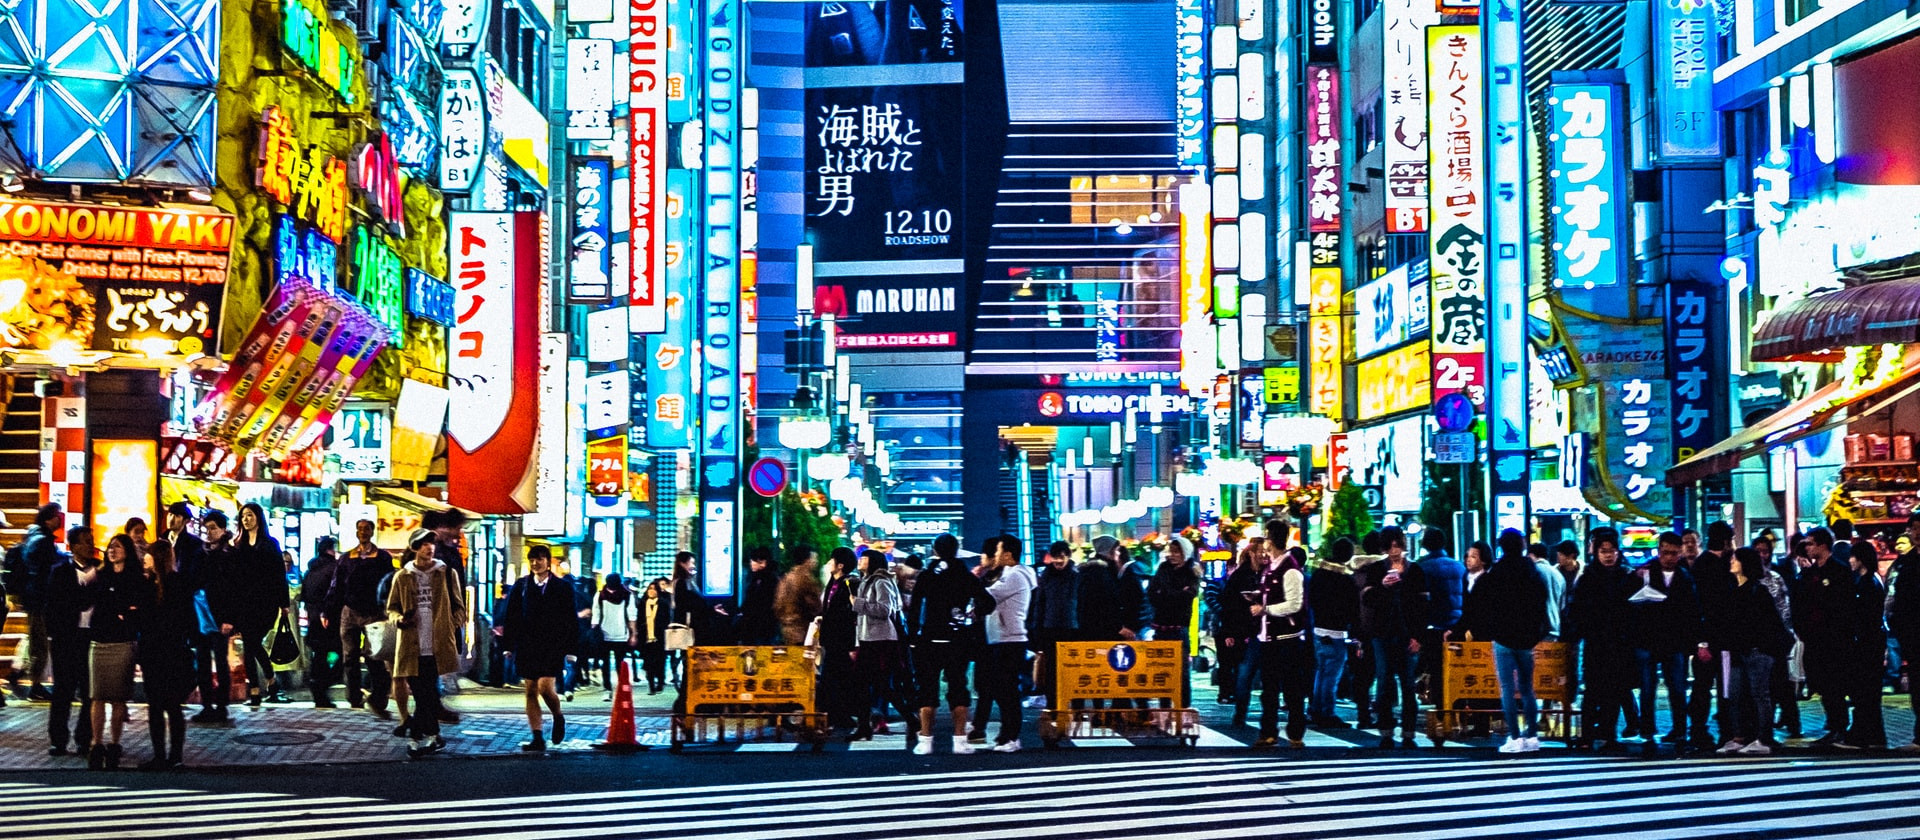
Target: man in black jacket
pixel 1903 618
pixel 1100 608
pixel 1712 571
pixel 1823 617
pixel 1054 615
pixel 215 652
pixel 1666 630
pixel 68 639
pixel 950 607
pixel 353 603
pixel 756 623
pixel 1335 598
pixel 1597 622
pixel 1171 593
pixel 323 645
pixel 39 553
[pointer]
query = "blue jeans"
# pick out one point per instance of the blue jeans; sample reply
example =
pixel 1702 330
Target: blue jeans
pixel 1243 681
pixel 1749 703
pixel 1653 667
pixel 1521 712
pixel 1330 658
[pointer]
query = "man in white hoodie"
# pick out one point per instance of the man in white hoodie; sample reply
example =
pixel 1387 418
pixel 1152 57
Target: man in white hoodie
pixel 1011 585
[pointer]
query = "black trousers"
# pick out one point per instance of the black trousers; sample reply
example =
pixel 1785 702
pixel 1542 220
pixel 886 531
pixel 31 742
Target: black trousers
pixel 253 650
pixel 1869 725
pixel 653 660
pixel 1611 675
pixel 877 668
pixel 837 687
pixel 999 677
pixel 424 685
pixel 216 672
pixel 69 689
pixel 1287 667
pixel 1706 675
pixel 1227 670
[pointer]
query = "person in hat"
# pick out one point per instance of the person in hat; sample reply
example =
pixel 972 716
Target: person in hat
pixel 424 612
pixel 1171 593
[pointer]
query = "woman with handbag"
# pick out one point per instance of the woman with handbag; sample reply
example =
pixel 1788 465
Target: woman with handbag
pixel 614 615
pixel 837 636
pixel 166 656
pixel 539 632
pixel 120 595
pixel 880 652
pixel 654 614
pixel 689 610
pixel 261 583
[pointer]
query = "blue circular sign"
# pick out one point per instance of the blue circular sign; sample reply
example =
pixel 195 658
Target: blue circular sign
pixel 1454 412
pixel 1122 658
pixel 768 477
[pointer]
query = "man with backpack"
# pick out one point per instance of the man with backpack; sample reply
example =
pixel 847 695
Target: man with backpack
pixel 28 565
pixel 354 597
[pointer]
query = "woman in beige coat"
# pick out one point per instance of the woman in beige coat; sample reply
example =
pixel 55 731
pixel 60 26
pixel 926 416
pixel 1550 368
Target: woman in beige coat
pixel 425 606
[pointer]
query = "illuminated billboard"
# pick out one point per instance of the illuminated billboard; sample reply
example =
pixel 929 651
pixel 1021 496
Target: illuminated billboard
pixel 647 139
pixel 1393 382
pixel 1584 151
pixel 1382 313
pixel 1403 112
pixel 1457 215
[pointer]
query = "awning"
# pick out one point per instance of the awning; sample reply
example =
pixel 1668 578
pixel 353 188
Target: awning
pixel 1819 329
pixel 414 501
pixel 1824 409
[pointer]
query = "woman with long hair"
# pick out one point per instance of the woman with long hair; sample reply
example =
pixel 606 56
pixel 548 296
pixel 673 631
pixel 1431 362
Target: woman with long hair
pixel 166 656
pixel 881 652
pixel 654 612
pixel 262 582
pixel 120 597
pixel 614 615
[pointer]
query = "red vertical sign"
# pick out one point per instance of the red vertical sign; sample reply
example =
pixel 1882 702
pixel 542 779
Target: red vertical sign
pixel 647 183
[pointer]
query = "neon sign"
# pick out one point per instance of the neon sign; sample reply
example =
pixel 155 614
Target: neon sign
pixel 313 185
pixel 379 281
pixel 309 36
pixel 376 173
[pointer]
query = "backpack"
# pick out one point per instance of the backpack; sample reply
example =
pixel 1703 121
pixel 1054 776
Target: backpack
pixel 14 577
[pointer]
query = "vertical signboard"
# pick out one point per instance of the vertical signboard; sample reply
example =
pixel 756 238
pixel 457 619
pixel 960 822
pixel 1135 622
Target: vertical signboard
pixel 1506 245
pixel 1190 92
pixel 719 476
pixel 493 360
pixel 1584 157
pixel 463 129
pixel 1639 442
pixel 590 230
pixel 1683 59
pixel 646 172
pixel 1324 188
pixel 1197 363
pixel 590 89
pixel 549 515
pixel 1694 340
pixel 1457 216
pixel 669 395
pixel 1326 371
pixel 1403 112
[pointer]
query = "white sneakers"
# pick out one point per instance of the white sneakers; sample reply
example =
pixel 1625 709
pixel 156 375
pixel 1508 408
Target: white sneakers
pixel 925 745
pixel 1731 747
pixel 1007 747
pixel 1758 747
pixel 1515 746
pixel 962 746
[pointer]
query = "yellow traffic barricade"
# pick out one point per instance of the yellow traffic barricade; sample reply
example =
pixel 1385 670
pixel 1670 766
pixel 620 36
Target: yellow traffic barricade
pixel 749 693
pixel 1470 691
pixel 1098 673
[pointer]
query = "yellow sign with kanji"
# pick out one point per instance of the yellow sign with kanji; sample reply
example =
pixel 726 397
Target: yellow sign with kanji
pixel 1117 671
pixel 1470 674
pixel 778 676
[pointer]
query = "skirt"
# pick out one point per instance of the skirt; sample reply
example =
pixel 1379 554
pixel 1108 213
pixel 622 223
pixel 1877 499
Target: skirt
pixel 110 667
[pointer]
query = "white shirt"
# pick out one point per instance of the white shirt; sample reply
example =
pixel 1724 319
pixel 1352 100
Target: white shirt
pixel 1293 587
pixel 423 609
pixel 612 618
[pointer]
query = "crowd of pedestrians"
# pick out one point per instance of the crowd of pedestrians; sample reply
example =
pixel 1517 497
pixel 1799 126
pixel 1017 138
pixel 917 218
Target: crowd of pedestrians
pixel 1731 634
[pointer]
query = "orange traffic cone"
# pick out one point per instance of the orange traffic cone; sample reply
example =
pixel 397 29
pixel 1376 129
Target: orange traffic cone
pixel 620 735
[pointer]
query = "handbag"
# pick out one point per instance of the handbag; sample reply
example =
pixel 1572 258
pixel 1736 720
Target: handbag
pixel 813 633
pixel 679 636
pixel 209 626
pixel 284 649
pixel 380 640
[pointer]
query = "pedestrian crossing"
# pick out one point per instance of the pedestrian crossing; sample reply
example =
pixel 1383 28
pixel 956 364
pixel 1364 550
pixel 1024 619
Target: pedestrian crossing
pixel 1194 796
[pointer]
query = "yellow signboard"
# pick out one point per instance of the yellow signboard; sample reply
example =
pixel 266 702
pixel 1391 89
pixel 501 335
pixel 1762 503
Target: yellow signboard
pixel 1394 382
pixel 777 676
pixel 1117 670
pixel 1470 674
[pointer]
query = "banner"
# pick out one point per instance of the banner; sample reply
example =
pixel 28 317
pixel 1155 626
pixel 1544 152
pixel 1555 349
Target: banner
pixel 493 358
pixel 1457 214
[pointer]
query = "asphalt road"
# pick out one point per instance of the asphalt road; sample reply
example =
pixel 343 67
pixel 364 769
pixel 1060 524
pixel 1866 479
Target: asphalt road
pixel 1087 792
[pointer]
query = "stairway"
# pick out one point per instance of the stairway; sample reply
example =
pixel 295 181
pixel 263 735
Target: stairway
pixel 19 489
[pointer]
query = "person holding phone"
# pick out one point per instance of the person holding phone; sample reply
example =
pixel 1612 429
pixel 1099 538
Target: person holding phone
pixel 1393 611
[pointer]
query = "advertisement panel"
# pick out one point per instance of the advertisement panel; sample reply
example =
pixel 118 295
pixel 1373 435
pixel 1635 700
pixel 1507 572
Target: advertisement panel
pixel 1325 187
pixel 493 358
pixel 1190 85
pixel 1394 382
pixel 1507 240
pixel 1639 441
pixel 1684 55
pixel 463 128
pixel 1392 457
pixel 362 440
pixel 1584 165
pixel 1403 112
pixel 647 138
pixel 1457 211
pixel 589 89
pixel 889 312
pixel 1695 342
pixel 1196 291
pixel 1382 314
pixel 884 168
pixel 719 476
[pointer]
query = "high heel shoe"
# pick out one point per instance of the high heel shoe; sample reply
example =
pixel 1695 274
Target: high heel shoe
pixel 97 758
pixel 113 756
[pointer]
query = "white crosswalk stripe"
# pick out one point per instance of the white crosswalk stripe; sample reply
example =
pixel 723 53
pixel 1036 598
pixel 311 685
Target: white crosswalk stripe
pixel 1199 798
